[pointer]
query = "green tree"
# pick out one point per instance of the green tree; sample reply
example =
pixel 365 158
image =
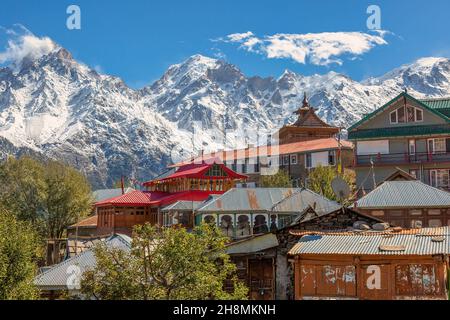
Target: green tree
pixel 50 195
pixel 280 179
pixel 165 264
pixel 320 178
pixel 18 248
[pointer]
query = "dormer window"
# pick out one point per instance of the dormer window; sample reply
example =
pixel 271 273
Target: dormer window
pixel 412 114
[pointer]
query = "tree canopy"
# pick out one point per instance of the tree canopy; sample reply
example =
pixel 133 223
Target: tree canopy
pixel 51 195
pixel 171 263
pixel 18 248
pixel 280 179
pixel 320 181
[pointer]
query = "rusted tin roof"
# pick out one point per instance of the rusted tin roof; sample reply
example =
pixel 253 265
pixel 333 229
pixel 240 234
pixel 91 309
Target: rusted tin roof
pixel 289 200
pixel 425 241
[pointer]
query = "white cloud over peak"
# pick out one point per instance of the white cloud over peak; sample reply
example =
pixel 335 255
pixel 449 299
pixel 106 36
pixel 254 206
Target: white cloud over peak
pixel 316 48
pixel 24 44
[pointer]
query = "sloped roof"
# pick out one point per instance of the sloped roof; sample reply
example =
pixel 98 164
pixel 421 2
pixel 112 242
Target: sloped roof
pixel 429 105
pixel 404 194
pixel 427 241
pixel 292 200
pixel 197 170
pixel 182 205
pixel 300 201
pixel 103 194
pixel 57 277
pixel 85 223
pixel 315 145
pixel 404 131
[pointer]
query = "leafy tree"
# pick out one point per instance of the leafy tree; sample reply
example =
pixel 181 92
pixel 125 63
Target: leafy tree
pixel 165 264
pixel 320 179
pixel 18 248
pixel 50 195
pixel 280 179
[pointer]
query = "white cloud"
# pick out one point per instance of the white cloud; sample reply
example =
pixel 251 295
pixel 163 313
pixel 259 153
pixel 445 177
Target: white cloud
pixel 315 48
pixel 25 44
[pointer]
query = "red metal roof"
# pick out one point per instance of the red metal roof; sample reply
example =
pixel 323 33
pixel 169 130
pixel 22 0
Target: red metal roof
pixel 197 170
pixel 147 198
pixel 262 151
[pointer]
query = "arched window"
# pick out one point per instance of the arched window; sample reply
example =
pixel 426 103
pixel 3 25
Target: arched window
pixel 243 225
pixel 260 224
pixel 226 224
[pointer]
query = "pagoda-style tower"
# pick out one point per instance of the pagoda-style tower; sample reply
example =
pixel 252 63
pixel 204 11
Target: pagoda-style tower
pixel 307 127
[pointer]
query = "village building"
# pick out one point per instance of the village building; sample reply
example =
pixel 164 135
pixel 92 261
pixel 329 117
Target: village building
pixel 262 260
pixel 296 148
pixel 298 159
pixel 407 203
pixel 244 212
pixel 66 275
pixel 192 182
pixel 405 133
pixel 372 265
pixel 307 127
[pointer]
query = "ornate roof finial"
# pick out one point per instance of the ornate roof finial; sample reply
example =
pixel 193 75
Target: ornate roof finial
pixel 305 101
pixel 406 90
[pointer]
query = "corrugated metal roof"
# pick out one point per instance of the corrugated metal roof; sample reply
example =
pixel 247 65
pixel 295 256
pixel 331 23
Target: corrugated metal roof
pixel 269 199
pixel 103 194
pixel 422 243
pixel 56 278
pixel 85 223
pixel 183 205
pixel 315 145
pixel 253 244
pixel 401 194
pixel 300 201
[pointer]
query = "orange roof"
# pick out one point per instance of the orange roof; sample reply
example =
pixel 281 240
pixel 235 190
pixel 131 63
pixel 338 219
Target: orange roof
pixel 262 151
pixel 88 222
pixel 388 232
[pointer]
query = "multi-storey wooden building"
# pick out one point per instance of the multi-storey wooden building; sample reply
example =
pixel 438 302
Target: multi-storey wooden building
pixel 405 133
pixel 193 182
pixel 296 148
pixel 307 127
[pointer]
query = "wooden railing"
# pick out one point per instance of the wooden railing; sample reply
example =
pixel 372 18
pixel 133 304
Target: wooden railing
pixel 397 158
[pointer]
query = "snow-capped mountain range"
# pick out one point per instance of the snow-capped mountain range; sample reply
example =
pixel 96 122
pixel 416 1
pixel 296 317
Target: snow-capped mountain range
pixel 59 108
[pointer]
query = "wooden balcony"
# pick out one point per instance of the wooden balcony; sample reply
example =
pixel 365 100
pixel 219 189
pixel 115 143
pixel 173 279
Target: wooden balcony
pixel 402 158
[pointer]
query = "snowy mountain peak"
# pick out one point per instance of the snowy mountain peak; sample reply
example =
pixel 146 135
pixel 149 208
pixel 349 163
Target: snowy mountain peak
pixel 62 109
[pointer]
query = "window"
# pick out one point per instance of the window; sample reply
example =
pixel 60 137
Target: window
pixel 412 147
pixel 294 159
pixel 437 145
pixel 411 116
pixel 402 115
pixel 308 160
pixel 394 116
pixel 332 158
pixel 440 178
pixel 285 160
pixel 419 115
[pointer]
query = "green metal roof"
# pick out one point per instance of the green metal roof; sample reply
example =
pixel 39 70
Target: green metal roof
pixel 404 131
pixel 439 107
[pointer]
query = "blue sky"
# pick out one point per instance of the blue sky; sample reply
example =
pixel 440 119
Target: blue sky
pixel 137 40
